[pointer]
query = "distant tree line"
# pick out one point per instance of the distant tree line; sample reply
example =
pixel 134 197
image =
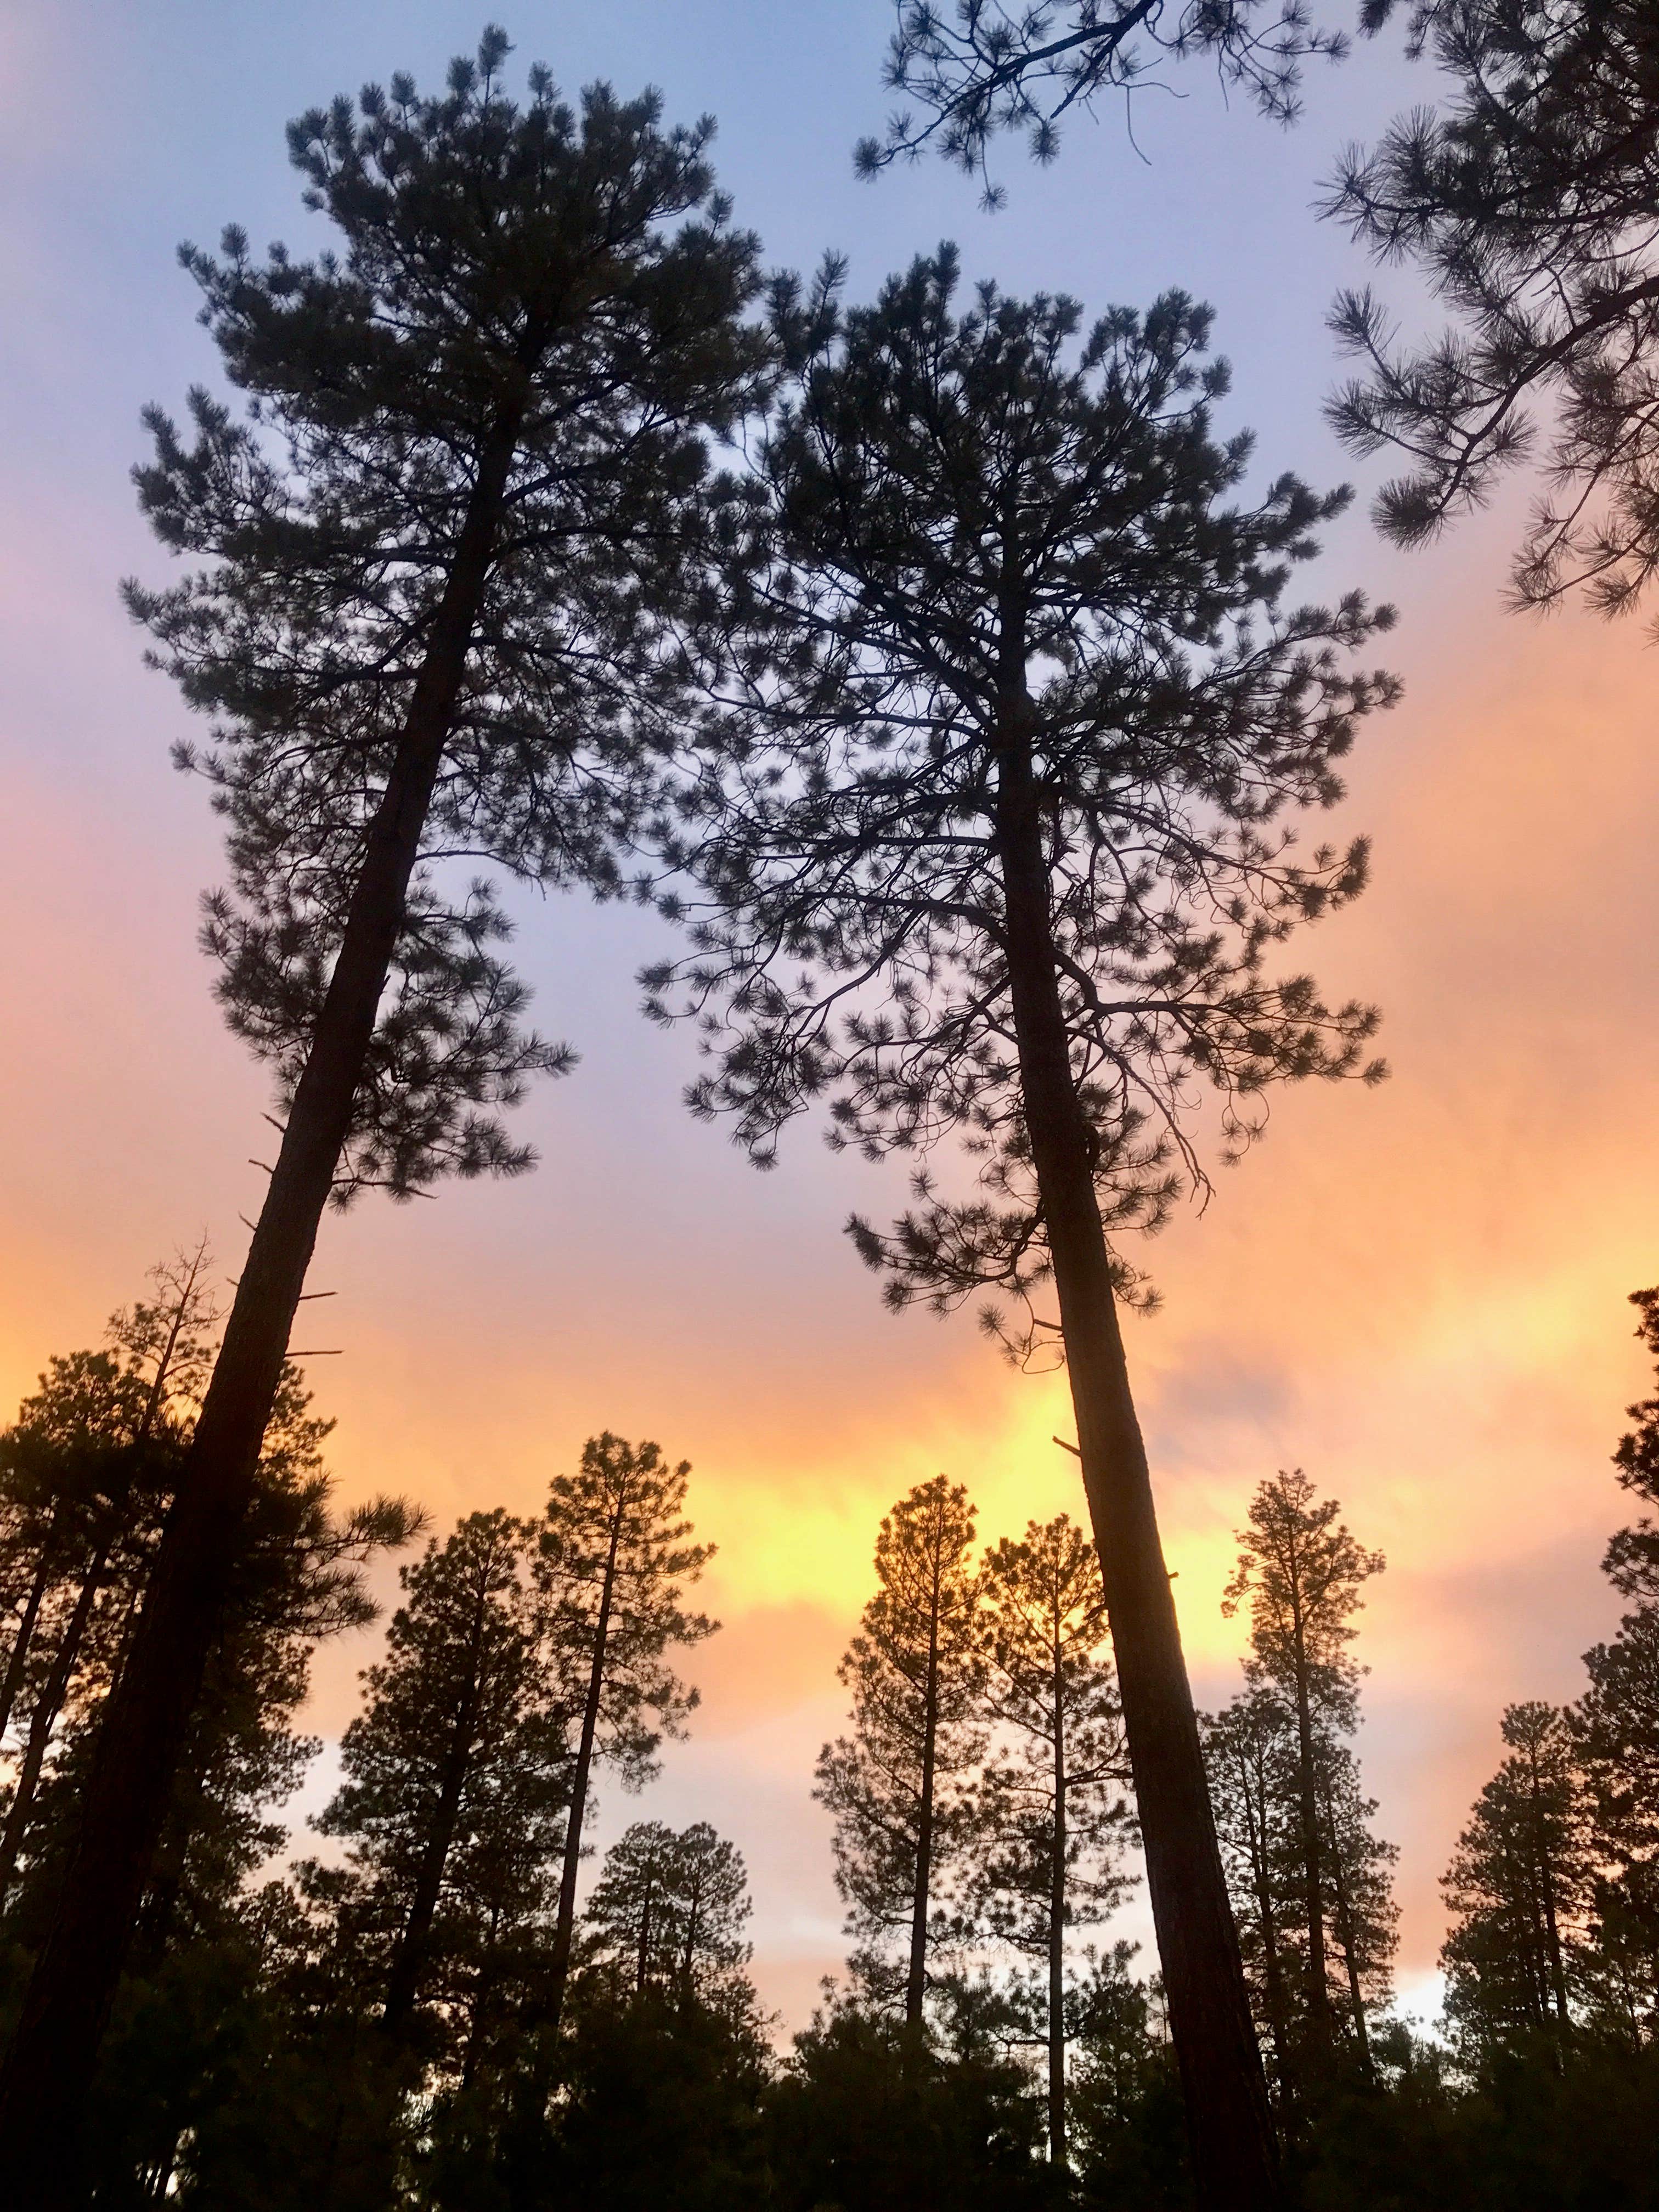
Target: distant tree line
pixel 436 2009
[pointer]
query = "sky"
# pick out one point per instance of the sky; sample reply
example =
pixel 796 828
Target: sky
pixel 1417 1293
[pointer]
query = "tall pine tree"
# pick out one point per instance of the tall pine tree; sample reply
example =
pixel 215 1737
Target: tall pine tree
pixel 437 559
pixel 458 1753
pixel 899 1785
pixel 1518 1890
pixel 1055 1819
pixel 1005 854
pixel 1301 1573
pixel 613 1555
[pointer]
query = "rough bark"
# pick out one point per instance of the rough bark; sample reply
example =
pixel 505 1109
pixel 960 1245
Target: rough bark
pixel 66 2006
pixel 1234 2155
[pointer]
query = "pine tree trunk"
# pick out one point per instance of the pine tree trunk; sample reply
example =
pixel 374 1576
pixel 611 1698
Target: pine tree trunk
pixel 915 1982
pixel 1345 1928
pixel 564 1927
pixel 1552 1922
pixel 1272 1974
pixel 408 1960
pixel 1057 2152
pixel 689 1957
pixel 1230 2128
pixel 23 1641
pixel 66 2006
pixel 1313 1877
pixel 47 1707
pixel 642 1964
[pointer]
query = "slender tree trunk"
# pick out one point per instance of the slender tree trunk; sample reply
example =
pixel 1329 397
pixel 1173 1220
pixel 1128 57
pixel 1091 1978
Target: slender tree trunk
pixel 44 1718
pixel 66 2006
pixel 1272 1973
pixel 689 1957
pixel 915 1983
pixel 1345 1930
pixel 24 1639
pixel 564 1927
pixel 642 1964
pixel 1552 1923
pixel 1234 2155
pixel 483 1989
pixel 1057 2152
pixel 409 1960
pixel 1313 1876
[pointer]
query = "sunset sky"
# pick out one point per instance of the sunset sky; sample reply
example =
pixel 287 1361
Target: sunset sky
pixel 1416 1293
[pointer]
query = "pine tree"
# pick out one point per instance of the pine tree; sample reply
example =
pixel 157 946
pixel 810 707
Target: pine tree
pixel 460 1750
pixel 1528 201
pixel 1302 1573
pixel 899 1786
pixel 613 1553
pixel 1518 1889
pixel 1054 1821
pixel 438 558
pixel 1617 1726
pixel 1004 853
pixel 1249 1751
pixel 94 1459
pixel 669 1908
pixel 982 67
pixel 1360 1873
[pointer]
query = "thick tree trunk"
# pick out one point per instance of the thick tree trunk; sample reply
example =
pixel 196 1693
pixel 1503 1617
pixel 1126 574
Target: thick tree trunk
pixel 409 1960
pixel 915 1981
pixel 1234 2156
pixel 1057 2154
pixel 45 2078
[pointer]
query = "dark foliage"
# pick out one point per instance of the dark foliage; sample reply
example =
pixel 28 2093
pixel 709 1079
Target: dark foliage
pixel 975 68
pixel 1529 199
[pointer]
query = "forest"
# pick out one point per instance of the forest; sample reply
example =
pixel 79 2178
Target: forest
pixel 924 664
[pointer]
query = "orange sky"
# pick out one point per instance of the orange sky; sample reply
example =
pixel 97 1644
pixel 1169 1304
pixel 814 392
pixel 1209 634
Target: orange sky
pixel 1416 1293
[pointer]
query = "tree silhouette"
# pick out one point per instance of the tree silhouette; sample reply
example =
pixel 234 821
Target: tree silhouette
pixel 669 1908
pixel 1302 1574
pixel 898 1786
pixel 438 557
pixel 1003 854
pixel 612 1557
pixel 459 1752
pixel 1054 1819
pixel 1249 1750
pixel 1517 1888
pixel 980 67
pixel 1528 201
